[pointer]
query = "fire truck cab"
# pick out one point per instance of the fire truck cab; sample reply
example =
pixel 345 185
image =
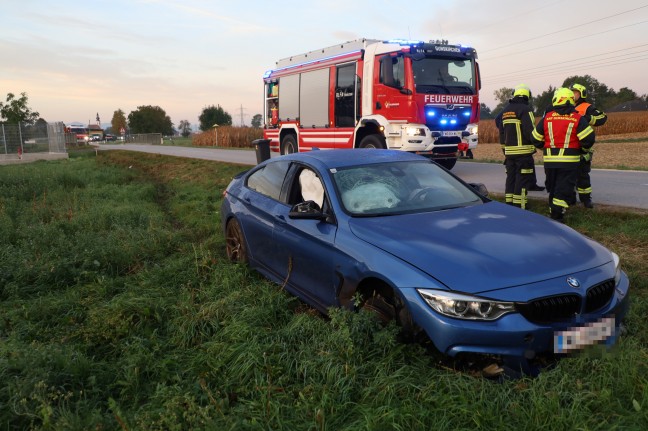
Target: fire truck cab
pixel 407 95
pixel 81 133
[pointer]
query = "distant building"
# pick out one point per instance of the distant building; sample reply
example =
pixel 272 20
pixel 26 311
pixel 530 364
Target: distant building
pixel 95 130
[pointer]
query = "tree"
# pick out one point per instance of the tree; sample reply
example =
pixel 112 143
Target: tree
pixel 503 95
pixel 150 119
pixel 256 121
pixel 185 128
pixel 212 115
pixel 17 111
pixel 598 94
pixel 485 112
pixel 543 101
pixel 118 121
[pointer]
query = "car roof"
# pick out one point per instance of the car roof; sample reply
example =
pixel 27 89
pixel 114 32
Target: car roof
pixel 352 157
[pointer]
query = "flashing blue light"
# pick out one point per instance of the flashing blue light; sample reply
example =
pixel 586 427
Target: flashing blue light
pixel 453 121
pixel 267 74
pixel 466 113
pixel 431 113
pixel 444 121
pixel 404 41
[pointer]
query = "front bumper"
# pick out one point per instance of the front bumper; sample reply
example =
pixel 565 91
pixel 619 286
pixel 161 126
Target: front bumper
pixel 511 335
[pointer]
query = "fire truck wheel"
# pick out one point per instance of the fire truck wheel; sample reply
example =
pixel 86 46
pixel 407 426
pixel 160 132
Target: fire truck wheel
pixel 289 145
pixel 373 141
pixel 447 163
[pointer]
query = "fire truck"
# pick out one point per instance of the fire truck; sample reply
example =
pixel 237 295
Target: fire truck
pixel 415 96
pixel 80 132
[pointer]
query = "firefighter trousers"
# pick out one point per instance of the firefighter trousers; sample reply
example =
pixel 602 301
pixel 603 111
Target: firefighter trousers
pixel 561 185
pixel 583 182
pixel 520 177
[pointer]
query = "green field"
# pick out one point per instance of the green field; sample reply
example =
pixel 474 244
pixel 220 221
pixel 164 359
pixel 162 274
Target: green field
pixel 119 311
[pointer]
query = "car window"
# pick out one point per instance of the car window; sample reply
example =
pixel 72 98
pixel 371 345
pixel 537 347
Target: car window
pixel 400 187
pixel 269 179
pixel 311 187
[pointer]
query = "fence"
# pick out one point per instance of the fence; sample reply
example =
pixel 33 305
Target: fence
pixel 18 139
pixel 144 138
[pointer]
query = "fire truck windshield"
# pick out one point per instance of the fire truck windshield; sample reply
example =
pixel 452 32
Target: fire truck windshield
pixel 444 75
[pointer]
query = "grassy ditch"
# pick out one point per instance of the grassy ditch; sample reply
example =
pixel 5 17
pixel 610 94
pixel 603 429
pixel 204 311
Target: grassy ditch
pixel 118 310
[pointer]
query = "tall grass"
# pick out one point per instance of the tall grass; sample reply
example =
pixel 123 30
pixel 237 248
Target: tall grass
pixel 119 310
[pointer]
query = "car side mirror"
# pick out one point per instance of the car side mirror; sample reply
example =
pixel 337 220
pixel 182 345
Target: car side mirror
pixel 479 188
pixel 308 210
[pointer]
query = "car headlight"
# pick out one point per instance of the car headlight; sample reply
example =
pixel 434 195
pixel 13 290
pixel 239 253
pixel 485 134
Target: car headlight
pixel 472 128
pixel 617 268
pixel 465 306
pixel 414 131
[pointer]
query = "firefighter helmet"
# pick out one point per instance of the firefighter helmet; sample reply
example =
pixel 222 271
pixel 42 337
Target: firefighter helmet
pixel 581 89
pixel 563 96
pixel 522 90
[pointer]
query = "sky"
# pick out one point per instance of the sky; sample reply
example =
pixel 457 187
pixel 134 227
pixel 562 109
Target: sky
pixel 78 59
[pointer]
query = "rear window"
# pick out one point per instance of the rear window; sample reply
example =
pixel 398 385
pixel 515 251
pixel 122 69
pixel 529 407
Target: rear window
pixel 269 179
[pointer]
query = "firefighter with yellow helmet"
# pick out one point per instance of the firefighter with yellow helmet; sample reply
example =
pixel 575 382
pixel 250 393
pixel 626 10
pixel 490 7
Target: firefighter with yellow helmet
pixel 515 124
pixel 563 133
pixel 596 118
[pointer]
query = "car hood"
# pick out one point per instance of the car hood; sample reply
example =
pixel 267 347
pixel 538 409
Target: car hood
pixel 483 247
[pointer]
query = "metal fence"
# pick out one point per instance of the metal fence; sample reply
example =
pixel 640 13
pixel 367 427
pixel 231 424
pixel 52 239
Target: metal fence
pixel 144 138
pixel 21 138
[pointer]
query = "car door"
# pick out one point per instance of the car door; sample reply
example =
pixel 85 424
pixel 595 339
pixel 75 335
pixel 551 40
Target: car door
pixel 305 249
pixel 261 200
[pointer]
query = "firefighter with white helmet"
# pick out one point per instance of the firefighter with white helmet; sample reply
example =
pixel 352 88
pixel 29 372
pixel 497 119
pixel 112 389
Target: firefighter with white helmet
pixel 563 133
pixel 515 124
pixel 596 118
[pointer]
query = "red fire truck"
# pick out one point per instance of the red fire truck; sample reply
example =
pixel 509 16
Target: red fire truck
pixel 81 133
pixel 409 95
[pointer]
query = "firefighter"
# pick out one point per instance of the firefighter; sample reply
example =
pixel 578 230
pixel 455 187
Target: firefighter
pixel 596 118
pixel 515 124
pixel 563 133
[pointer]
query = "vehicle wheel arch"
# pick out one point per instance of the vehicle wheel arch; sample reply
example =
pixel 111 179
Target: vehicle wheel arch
pixel 367 127
pixel 232 223
pixel 288 132
pixel 377 295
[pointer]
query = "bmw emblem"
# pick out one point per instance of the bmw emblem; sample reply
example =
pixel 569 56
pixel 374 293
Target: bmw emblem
pixel 573 282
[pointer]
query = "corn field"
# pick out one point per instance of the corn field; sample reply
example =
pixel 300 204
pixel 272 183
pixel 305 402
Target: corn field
pixel 618 123
pixel 228 136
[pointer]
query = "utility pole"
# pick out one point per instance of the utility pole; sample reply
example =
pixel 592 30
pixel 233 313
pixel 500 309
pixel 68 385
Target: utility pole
pixel 241 115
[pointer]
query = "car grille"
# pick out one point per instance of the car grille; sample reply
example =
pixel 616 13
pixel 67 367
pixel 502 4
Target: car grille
pixel 562 307
pixel 599 296
pixel 551 308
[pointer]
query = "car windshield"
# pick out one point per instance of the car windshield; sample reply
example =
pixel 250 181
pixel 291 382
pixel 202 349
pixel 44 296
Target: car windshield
pixel 400 188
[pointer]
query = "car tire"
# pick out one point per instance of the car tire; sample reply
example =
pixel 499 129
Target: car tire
pixel 447 163
pixel 289 144
pixel 381 308
pixel 373 141
pixel 235 245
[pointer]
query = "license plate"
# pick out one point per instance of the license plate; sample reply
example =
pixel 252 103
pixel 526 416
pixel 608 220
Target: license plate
pixel 451 133
pixel 579 337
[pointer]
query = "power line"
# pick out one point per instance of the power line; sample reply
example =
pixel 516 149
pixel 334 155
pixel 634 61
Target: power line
pixel 571 28
pixel 577 61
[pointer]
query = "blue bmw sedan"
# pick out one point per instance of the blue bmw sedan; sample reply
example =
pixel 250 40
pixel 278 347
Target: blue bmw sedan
pixel 396 234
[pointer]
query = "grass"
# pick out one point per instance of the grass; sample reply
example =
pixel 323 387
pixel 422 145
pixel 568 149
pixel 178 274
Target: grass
pixel 119 310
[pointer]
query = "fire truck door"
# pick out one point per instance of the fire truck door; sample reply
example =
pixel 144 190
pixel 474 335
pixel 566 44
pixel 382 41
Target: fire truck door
pixel 392 98
pixel 346 103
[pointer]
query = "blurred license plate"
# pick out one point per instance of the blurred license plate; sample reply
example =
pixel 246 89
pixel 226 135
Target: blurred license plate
pixel 579 337
pixel 453 133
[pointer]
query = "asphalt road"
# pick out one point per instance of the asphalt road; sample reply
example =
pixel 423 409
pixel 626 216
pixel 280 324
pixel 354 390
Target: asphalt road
pixel 610 187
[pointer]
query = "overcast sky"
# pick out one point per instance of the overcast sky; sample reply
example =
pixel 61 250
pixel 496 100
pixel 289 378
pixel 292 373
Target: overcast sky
pixel 76 59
